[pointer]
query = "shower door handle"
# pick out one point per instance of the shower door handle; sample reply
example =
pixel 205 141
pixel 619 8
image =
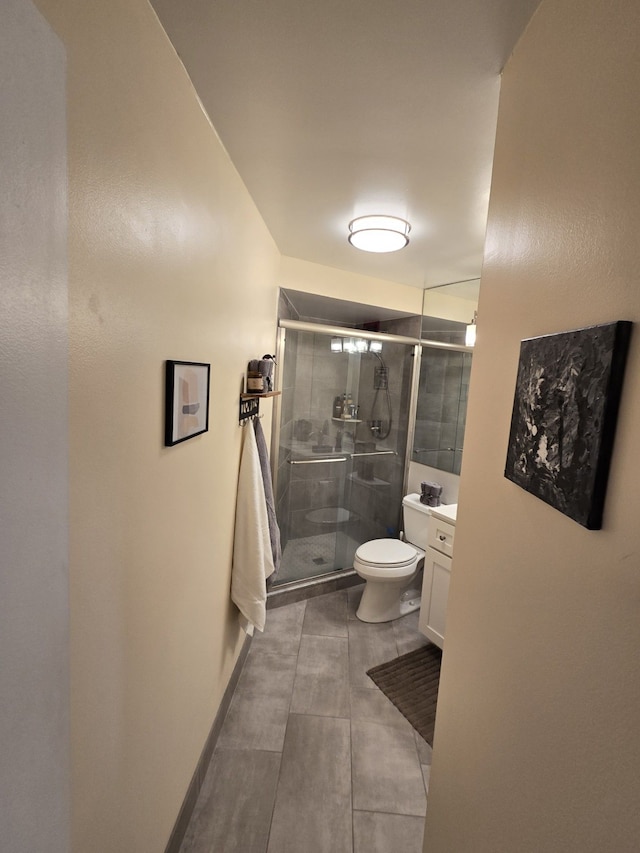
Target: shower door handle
pixel 376 453
pixel 316 461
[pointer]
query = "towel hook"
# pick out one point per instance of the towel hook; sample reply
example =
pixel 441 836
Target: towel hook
pixel 249 410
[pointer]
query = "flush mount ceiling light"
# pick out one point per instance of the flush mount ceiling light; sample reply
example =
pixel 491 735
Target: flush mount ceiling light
pixel 379 233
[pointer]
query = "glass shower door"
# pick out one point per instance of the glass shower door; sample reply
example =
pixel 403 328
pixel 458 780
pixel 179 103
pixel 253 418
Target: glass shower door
pixel 342 443
pixel 312 470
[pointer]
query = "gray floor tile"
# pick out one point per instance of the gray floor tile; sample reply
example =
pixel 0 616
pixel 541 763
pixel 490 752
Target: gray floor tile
pixel 387 833
pixel 424 750
pixel 407 634
pixel 387 776
pixel 255 723
pixel 373 706
pixel 313 800
pixel 282 631
pixel 354 594
pixel 233 812
pixel 268 674
pixel 322 677
pixel 369 645
pixel 426 775
pixel 326 615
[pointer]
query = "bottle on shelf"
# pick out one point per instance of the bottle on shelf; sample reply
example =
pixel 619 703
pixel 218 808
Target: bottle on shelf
pixel 348 407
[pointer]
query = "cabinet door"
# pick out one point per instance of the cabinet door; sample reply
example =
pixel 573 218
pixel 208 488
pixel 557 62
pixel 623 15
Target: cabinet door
pixel 435 592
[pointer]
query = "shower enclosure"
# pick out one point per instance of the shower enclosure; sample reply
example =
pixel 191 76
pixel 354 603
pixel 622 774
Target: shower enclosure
pixel 345 415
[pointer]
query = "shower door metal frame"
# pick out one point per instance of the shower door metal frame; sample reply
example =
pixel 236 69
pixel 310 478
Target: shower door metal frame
pixel 413 410
pixel 345 332
pixel 277 409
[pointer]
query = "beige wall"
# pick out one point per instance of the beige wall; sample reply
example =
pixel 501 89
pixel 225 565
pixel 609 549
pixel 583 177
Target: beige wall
pixel 536 744
pixel 339 284
pixel 438 304
pixel 168 258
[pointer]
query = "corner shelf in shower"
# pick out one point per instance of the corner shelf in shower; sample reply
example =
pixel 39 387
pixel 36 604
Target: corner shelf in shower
pixel 250 404
pixel 346 420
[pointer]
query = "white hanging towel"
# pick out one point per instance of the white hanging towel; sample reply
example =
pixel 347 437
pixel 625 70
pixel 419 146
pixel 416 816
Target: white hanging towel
pixel 252 559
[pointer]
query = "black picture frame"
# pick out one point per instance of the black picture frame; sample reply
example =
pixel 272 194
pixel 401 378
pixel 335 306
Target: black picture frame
pixel 565 410
pixel 186 400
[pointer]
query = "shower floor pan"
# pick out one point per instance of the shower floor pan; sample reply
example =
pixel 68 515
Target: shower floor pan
pixel 312 556
pixel 329 515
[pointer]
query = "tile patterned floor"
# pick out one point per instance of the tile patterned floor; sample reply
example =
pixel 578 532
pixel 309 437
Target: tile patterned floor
pixel 312 757
pixel 315 555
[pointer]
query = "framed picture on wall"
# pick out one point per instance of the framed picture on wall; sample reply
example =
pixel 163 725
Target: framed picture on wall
pixel 564 416
pixel 186 400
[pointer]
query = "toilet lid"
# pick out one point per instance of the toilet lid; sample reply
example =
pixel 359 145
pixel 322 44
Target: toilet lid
pixel 387 552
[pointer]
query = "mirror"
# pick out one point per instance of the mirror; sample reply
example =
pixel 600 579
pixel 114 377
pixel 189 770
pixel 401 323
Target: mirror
pixel 445 368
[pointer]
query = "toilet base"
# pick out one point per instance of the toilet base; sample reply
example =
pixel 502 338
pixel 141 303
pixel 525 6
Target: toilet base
pixel 380 601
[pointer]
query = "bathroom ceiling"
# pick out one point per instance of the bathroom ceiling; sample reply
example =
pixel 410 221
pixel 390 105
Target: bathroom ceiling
pixel 331 110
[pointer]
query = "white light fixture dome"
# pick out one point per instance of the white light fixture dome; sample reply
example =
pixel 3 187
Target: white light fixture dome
pixel 379 233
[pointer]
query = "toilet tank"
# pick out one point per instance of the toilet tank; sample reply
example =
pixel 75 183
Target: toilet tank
pixel 416 520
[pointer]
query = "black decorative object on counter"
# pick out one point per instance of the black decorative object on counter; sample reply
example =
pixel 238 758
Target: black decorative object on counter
pixel 564 417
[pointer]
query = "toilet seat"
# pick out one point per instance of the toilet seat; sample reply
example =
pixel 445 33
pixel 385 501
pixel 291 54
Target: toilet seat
pixel 386 553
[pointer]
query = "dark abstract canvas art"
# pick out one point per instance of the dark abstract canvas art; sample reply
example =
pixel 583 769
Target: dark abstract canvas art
pixel 564 416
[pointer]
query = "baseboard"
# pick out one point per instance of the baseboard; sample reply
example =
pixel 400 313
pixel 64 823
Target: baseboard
pixel 189 802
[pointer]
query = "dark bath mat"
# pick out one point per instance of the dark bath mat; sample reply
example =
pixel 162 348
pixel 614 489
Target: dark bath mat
pixel 411 683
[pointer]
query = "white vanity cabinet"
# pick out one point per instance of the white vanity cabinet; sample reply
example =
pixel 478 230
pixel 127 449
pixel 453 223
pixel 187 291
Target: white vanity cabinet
pixel 437 572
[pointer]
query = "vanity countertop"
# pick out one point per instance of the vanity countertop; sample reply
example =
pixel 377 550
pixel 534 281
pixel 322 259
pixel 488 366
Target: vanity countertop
pixel 445 512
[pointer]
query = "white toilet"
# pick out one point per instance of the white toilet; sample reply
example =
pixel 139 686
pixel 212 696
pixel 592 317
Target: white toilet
pixel 390 567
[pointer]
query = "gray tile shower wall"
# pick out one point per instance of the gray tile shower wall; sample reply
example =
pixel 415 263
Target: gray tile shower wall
pixel 409 326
